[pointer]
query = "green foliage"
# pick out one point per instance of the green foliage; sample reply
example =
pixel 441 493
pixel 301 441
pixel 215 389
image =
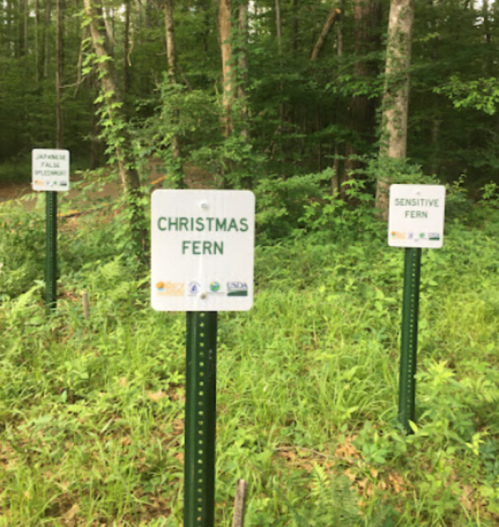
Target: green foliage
pixel 481 94
pixel 21 250
pixel 91 411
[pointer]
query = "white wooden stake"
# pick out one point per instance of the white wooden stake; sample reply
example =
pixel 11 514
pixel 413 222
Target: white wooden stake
pixel 240 503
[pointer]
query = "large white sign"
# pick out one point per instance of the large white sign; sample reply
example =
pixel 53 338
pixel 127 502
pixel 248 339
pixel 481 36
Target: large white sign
pixel 416 216
pixel 50 169
pixel 202 250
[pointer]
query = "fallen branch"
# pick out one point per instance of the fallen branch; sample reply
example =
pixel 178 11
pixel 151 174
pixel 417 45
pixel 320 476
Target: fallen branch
pixel 333 16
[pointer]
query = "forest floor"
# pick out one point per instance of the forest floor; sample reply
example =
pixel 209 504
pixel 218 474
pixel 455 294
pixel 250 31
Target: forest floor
pixel 195 177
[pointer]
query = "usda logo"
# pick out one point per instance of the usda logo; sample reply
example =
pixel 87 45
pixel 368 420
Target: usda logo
pixel 237 289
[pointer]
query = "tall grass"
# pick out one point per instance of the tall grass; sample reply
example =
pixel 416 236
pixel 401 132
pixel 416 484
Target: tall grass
pixel 91 411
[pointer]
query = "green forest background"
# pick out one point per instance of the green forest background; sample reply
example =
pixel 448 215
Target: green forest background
pixel 301 113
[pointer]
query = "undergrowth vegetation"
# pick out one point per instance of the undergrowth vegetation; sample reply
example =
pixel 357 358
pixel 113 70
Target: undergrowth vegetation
pixel 91 411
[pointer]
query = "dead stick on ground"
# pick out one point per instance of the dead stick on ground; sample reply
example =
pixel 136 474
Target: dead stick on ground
pixel 86 305
pixel 240 503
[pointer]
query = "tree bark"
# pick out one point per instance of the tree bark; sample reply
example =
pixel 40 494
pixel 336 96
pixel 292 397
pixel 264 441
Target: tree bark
pixel 126 52
pixel 294 28
pixel 171 54
pixel 46 40
pixel 108 23
pixel 333 16
pixel 225 29
pixel 396 91
pixel 242 94
pixel 278 24
pixel 362 109
pixel 38 69
pixel 337 164
pixel 59 73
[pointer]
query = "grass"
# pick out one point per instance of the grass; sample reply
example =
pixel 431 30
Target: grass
pixel 91 411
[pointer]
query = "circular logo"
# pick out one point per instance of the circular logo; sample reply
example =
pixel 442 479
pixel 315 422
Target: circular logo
pixel 160 286
pixel 194 288
pixel 214 287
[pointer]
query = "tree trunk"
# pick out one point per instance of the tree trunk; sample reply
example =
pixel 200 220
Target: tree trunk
pixel 25 28
pixel 59 72
pixel 242 94
pixel 333 16
pixel 294 28
pixel 225 29
pixel 19 47
pixel 338 165
pixel 362 109
pixel 38 69
pixel 396 92
pixel 171 54
pixel 46 40
pixel 278 24
pixel 108 23
pixel 126 53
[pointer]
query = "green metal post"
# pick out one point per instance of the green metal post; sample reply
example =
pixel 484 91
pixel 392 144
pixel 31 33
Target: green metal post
pixel 409 345
pixel 200 419
pixel 51 251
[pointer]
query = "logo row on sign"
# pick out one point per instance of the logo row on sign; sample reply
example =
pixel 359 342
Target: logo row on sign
pixel 196 289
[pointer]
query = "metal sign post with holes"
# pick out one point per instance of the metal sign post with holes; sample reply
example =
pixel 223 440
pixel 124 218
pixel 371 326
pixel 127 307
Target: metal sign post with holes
pixel 416 221
pixel 200 418
pixel 51 249
pixel 50 174
pixel 202 254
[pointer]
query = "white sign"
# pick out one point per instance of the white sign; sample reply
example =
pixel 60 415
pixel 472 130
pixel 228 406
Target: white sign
pixel 202 250
pixel 50 169
pixel 416 216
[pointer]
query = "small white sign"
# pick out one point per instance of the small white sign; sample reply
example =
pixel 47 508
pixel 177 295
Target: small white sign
pixel 50 169
pixel 416 217
pixel 202 250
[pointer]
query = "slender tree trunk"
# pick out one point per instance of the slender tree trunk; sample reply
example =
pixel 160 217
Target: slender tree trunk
pixel 38 69
pixel 25 28
pixel 333 16
pixel 126 53
pixel 488 38
pixel 149 14
pixel 59 73
pixel 337 166
pixel 396 91
pixel 207 23
pixel 362 109
pixel 242 94
pixel 108 23
pixel 96 146
pixel 225 30
pixel 278 24
pixel 19 29
pixel 171 54
pixel 46 40
pixel 171 51
pixel 294 28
